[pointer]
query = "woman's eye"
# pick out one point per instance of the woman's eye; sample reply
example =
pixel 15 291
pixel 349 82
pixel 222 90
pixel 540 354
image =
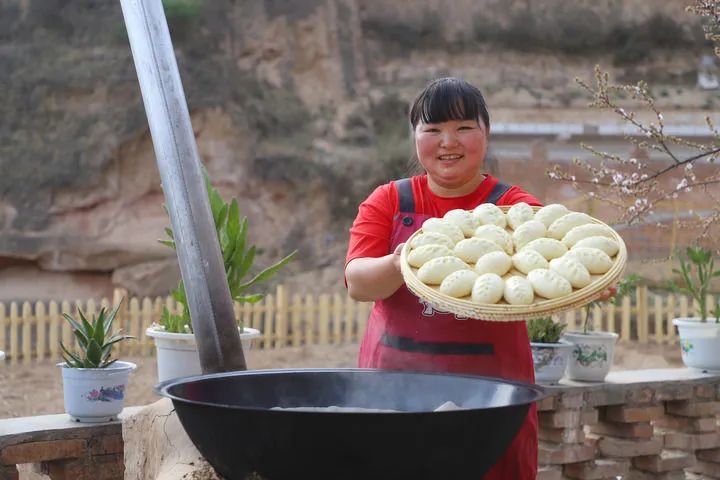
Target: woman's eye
pixel 465 127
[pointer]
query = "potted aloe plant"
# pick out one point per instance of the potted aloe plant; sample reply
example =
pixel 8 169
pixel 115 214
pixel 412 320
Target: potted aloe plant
pixel 699 336
pixel 549 351
pixel 93 383
pixel 593 352
pixel 177 354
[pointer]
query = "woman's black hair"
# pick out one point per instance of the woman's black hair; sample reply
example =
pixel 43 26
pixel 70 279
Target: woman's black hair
pixel 449 99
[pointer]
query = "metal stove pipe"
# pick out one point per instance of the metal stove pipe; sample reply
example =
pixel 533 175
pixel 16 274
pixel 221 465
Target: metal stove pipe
pixel 201 264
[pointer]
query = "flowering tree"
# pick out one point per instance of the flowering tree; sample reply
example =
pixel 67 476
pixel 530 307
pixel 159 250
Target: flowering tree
pixel 636 185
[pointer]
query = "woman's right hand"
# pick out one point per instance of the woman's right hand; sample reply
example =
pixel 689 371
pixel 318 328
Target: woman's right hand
pixel 396 256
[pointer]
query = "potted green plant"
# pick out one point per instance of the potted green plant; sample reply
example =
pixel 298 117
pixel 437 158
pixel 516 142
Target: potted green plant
pixel 700 335
pixel 177 354
pixel 593 351
pixel 94 384
pixel 549 351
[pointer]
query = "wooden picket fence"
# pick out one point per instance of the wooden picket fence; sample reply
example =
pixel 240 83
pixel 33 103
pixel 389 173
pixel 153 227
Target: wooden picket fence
pixel 32 332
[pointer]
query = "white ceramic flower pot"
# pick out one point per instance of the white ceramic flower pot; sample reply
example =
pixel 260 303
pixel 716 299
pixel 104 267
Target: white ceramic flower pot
pixel 550 360
pixel 699 342
pixel 95 395
pixel 592 355
pixel 177 354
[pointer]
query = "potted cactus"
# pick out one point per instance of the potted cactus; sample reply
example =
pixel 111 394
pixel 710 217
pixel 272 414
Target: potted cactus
pixel 700 335
pixel 549 351
pixel 177 354
pixel 593 352
pixel 94 384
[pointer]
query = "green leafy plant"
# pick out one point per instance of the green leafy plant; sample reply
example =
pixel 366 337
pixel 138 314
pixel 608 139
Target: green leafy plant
pixel 238 256
pixel 94 339
pixel 626 286
pixel 697 273
pixel 545 330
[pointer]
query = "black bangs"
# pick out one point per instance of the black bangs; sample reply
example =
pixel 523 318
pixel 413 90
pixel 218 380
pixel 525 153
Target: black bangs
pixel 449 99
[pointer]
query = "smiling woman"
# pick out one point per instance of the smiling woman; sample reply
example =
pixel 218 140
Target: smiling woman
pixel 451 126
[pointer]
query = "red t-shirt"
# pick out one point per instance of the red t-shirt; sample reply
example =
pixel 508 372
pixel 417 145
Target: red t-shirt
pixel 372 228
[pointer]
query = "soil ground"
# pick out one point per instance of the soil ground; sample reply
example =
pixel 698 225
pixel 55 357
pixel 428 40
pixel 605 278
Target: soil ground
pixel 36 389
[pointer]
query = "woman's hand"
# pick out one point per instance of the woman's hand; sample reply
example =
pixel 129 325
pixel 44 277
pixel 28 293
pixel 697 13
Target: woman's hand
pixel 372 279
pixel 608 293
pixel 396 257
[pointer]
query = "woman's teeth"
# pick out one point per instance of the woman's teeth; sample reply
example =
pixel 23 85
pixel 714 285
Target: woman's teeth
pixel 450 157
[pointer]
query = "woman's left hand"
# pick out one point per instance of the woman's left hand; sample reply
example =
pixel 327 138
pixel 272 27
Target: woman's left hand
pixel 608 293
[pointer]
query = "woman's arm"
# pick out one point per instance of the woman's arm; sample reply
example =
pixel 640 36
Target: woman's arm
pixel 370 279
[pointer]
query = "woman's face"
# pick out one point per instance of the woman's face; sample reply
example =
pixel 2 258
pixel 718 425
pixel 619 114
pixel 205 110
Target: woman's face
pixel 451 152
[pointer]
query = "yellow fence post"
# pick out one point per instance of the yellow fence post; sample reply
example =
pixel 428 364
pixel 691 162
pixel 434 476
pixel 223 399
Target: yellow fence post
pixel 324 317
pixel 669 316
pixel 41 329
pixel 350 307
pixel 54 334
pixel 310 319
pixel 337 314
pixel 4 321
pixel 625 333
pixel 642 314
pixel 657 313
pixel 296 320
pixel 281 317
pixel 14 331
pixel 27 323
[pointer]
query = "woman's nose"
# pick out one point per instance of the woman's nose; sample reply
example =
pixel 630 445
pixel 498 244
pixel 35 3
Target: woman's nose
pixel 448 139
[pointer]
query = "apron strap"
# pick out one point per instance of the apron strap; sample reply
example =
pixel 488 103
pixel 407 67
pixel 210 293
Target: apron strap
pixel 498 191
pixel 436 348
pixel 405 194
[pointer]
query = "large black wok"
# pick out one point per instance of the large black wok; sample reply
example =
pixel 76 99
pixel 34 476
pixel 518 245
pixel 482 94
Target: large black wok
pixel 228 417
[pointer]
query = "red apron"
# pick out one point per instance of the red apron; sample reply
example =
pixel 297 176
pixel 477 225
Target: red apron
pixel 402 324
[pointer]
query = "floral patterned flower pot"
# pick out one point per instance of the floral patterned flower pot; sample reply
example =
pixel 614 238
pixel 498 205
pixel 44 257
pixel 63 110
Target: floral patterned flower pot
pixel 177 354
pixel 95 395
pixel 550 360
pixel 699 342
pixel 592 355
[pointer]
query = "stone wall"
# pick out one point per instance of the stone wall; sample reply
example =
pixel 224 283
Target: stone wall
pixel 640 425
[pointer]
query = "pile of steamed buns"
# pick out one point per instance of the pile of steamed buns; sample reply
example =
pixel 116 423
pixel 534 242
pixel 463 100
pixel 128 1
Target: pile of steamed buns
pixel 487 256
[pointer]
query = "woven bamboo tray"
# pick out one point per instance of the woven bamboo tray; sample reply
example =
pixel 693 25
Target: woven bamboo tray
pixel 502 311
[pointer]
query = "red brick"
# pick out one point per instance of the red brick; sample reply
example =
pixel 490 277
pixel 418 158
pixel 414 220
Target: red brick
pixel 601 398
pixel 619 413
pixel 688 408
pixel 549 472
pixel 667 461
pixel 589 417
pixel 597 469
pixel 34 452
pixel 623 430
pixel 640 396
pixel 706 468
pixel 571 400
pixel 619 447
pixel 687 424
pixel 9 472
pixel 691 441
pixel 100 467
pixel 547 403
pixel 641 475
pixel 560 419
pixel 557 454
pixel 704 391
pixel 712 455
pixel 673 392
pixel 562 435
pixel 106 444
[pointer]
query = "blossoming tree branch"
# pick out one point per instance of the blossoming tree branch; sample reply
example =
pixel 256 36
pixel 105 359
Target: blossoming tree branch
pixel 637 186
